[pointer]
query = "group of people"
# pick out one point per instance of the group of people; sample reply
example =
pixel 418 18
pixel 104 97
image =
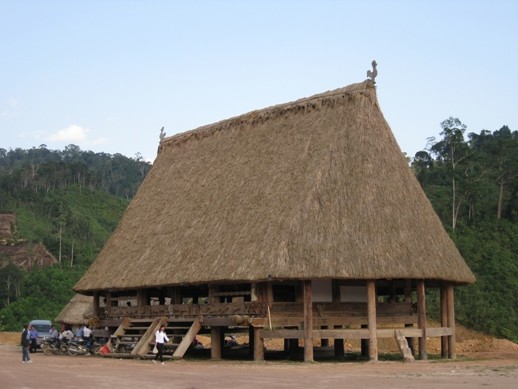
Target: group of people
pixel 30 335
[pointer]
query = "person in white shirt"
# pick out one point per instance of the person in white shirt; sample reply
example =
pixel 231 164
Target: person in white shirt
pixel 160 339
pixel 88 338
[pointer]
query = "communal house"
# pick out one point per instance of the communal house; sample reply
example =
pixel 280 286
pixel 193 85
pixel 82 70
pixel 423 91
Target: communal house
pixel 301 221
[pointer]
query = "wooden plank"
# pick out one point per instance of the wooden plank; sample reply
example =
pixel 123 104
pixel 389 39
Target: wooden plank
pixel 433 332
pixel 403 346
pixel 126 322
pixel 142 347
pixel 286 334
pixel 231 294
pixel 187 340
pixel 407 332
pixel 342 334
pixel 217 321
pixel 356 333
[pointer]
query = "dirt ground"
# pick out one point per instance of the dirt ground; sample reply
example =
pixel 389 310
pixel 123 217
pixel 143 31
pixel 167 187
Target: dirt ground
pixel 482 362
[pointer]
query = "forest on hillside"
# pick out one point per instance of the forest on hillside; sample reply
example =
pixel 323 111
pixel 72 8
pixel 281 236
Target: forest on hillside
pixel 72 200
pixel 471 181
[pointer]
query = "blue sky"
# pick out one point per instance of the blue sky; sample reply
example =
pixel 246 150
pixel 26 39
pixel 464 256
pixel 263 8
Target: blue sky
pixel 106 75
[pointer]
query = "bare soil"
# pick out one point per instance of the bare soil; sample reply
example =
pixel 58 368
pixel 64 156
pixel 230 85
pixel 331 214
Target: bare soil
pixel 482 362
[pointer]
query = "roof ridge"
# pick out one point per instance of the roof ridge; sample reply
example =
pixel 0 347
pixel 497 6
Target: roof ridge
pixel 252 116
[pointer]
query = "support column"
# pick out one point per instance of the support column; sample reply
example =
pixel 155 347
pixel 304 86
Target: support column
pixel 371 320
pixel 258 345
pixel 452 352
pixel 308 321
pixel 251 342
pixel 408 300
pixel 444 321
pixel 421 319
pixel 339 346
pixel 364 344
pixel 215 343
pixel 96 304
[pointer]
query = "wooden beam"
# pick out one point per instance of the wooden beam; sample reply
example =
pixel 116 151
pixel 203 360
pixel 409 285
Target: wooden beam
pixel 342 333
pixel 308 321
pixel 452 352
pixel 421 319
pixel 371 319
pixel 187 340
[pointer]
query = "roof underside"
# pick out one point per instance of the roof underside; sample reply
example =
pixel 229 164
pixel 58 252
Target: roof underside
pixel 317 188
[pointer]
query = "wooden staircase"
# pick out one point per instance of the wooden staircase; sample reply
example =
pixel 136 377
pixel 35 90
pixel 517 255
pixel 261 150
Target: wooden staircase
pixel 136 337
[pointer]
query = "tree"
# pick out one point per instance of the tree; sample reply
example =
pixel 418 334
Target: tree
pixel 452 150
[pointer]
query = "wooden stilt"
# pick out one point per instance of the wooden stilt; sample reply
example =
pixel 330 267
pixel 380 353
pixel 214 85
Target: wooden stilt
pixel 421 319
pixel 251 341
pixel 215 343
pixel 339 346
pixel 258 345
pixel 408 299
pixel 364 344
pixel 452 352
pixel 371 319
pixel 308 321
pixel 444 321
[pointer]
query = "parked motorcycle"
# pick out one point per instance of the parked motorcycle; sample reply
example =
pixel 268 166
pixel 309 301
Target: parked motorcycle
pixel 79 347
pixel 54 346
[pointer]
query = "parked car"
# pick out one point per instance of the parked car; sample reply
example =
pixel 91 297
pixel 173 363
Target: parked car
pixel 43 328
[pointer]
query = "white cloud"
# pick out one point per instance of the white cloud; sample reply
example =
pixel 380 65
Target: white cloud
pixel 76 135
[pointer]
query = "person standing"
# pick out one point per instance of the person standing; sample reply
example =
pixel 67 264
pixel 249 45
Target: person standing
pixel 160 339
pixel 33 337
pixel 88 338
pixel 26 342
pixel 53 332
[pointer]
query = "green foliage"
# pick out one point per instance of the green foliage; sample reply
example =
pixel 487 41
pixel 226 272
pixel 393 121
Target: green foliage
pixel 69 200
pixel 45 292
pixel 474 183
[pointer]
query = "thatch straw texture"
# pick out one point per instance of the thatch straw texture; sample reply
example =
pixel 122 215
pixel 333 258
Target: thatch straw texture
pixel 317 188
pixel 78 310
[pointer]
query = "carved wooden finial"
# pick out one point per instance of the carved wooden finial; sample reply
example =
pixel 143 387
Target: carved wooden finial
pixel 372 75
pixel 162 134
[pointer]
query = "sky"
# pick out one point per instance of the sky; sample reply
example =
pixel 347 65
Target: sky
pixel 107 75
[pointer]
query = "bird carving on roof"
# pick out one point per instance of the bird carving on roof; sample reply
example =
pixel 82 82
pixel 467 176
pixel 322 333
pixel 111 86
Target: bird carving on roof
pixel 162 134
pixel 372 74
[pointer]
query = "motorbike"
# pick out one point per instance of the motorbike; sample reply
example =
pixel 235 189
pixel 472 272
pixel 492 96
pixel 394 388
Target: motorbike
pixel 80 347
pixel 54 346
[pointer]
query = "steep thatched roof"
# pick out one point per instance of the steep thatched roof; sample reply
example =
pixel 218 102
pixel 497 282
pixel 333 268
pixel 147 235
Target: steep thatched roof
pixel 317 188
pixel 78 310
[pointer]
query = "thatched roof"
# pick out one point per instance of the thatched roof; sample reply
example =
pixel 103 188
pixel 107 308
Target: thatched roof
pixel 78 310
pixel 313 189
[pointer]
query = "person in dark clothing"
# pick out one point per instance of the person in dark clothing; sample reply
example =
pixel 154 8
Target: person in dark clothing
pixel 26 342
